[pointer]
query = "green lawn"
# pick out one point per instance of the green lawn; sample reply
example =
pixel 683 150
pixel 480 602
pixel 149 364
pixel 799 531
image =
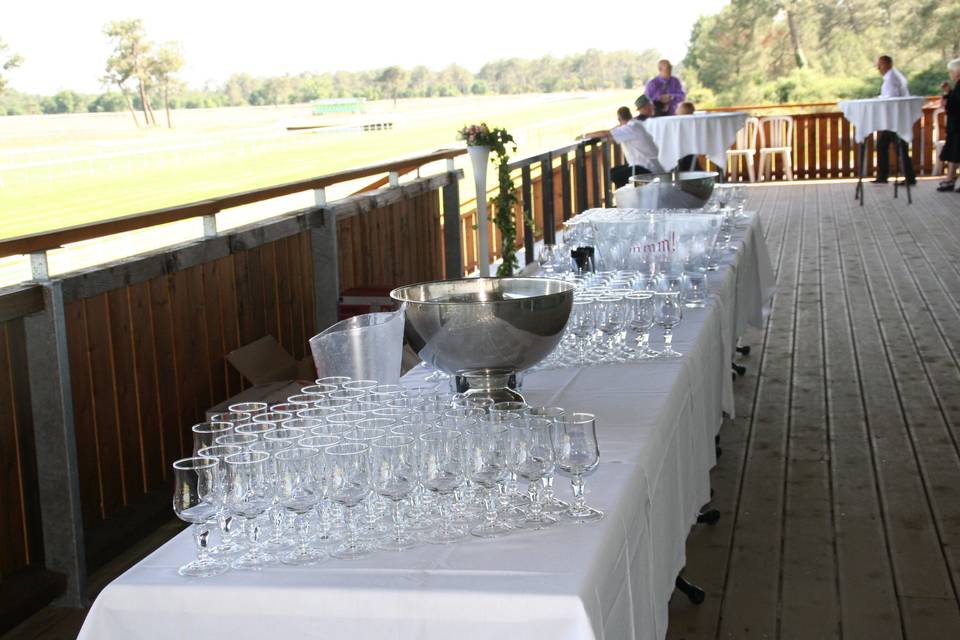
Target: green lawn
pixel 238 153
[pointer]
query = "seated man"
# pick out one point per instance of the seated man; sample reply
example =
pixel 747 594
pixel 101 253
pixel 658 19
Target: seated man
pixel 644 108
pixel 639 149
pixel 687 163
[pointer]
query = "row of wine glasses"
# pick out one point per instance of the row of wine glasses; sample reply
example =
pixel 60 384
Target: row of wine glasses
pixel 349 467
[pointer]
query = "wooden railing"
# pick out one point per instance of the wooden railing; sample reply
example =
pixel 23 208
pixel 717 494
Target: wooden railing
pixel 106 369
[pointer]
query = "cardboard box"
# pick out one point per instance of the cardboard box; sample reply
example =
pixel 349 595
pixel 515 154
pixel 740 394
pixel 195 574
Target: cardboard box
pixel 274 373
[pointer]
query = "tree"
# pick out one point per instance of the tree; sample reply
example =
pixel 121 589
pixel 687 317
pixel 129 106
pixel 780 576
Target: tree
pixel 130 60
pixel 163 67
pixel 393 80
pixel 8 61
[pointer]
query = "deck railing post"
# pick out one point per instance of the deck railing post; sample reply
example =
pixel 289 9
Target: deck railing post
pixel 546 184
pixel 453 258
pixel 595 174
pixel 605 179
pixel 527 196
pixel 326 268
pixel 58 477
pixel 581 172
pixel 566 192
pixel 39 267
pixel 210 226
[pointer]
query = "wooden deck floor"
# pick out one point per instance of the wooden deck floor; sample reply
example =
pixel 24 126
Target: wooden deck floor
pixel 839 481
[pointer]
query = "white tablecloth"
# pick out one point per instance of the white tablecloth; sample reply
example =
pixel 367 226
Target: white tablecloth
pixel 710 134
pixel 882 114
pixel 612 579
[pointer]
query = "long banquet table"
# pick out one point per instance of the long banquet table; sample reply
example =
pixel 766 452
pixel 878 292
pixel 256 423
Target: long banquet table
pixel 611 579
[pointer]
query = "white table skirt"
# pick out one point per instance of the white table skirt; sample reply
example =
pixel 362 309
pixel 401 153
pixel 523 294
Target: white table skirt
pixel 882 114
pixel 612 579
pixel 710 134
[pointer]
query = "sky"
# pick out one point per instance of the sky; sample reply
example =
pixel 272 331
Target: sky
pixel 63 45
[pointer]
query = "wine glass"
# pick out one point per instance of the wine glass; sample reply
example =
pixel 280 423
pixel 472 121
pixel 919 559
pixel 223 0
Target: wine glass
pixel 337 381
pixel 441 469
pixel 205 434
pixel 349 486
pixel 321 442
pixel 249 408
pixel 299 493
pixel 695 289
pixel 394 476
pixel 548 258
pixel 582 324
pixel 530 456
pixel 195 494
pixel 611 320
pixel 642 319
pixel 576 451
pixel 249 495
pixel 551 504
pixel 229 546
pixel 486 466
pixel 669 313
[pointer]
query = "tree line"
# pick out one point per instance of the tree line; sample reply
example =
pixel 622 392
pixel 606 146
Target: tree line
pixel 779 51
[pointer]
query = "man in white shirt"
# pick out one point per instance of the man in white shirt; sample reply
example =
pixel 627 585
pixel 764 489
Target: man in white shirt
pixel 894 85
pixel 639 149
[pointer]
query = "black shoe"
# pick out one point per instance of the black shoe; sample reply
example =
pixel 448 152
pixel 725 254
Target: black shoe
pixel 879 181
pixel 909 182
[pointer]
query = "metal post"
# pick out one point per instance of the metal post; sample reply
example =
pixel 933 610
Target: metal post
pixel 527 191
pixel 394 179
pixel 326 268
pixel 210 226
pixel 320 197
pixel 595 182
pixel 605 179
pixel 566 194
pixel 58 477
pixel 581 171
pixel 546 185
pixel 39 267
pixel 453 259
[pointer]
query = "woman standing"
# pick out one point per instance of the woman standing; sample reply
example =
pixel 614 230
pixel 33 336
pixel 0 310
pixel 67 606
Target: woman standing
pixel 951 147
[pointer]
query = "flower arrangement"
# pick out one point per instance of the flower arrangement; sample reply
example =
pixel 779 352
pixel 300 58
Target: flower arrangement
pixel 497 139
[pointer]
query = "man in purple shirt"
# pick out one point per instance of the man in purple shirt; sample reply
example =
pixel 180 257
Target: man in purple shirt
pixel 665 90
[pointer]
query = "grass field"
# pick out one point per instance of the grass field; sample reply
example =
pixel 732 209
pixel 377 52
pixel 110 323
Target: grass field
pixel 58 171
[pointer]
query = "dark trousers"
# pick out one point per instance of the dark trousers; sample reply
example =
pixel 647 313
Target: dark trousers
pixel 689 163
pixel 884 140
pixel 620 174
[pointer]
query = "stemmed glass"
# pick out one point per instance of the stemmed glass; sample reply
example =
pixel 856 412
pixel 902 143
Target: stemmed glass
pixel 195 495
pixel 249 495
pixel 611 319
pixel 441 454
pixel 299 493
pixel 669 313
pixel 530 456
pixel 551 504
pixel 228 544
pixel 486 466
pixel 249 408
pixel 205 434
pixel 582 324
pixel 349 478
pixel 642 320
pixel 695 289
pixel 394 476
pixel 321 442
pixel 576 450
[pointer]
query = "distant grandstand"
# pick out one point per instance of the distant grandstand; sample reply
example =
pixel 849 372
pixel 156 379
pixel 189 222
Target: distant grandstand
pixel 338 105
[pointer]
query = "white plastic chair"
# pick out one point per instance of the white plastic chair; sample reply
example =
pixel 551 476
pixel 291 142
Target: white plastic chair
pixel 781 142
pixel 746 148
pixel 937 143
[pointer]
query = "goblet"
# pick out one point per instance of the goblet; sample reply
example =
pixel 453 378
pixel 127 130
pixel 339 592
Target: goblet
pixel 530 456
pixel 349 486
pixel 576 451
pixel 486 466
pixel 669 313
pixel 441 471
pixel 249 495
pixel 299 493
pixel 195 496
pixel 394 476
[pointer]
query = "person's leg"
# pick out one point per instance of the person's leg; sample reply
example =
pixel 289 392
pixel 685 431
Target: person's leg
pixel 883 155
pixel 620 175
pixel 908 171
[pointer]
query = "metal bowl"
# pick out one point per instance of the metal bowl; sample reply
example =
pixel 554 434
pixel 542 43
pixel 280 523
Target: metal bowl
pixel 679 190
pixel 485 324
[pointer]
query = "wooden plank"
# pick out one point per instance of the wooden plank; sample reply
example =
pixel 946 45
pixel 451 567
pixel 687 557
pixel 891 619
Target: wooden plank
pixel 309 305
pixel 200 340
pixel 816 170
pixel 16 302
pixel 103 396
pixel 213 310
pixel 146 385
pixel 168 370
pixel 130 431
pixel 188 380
pixel 14 554
pixel 271 301
pixel 83 412
pixel 226 285
pixel 290 291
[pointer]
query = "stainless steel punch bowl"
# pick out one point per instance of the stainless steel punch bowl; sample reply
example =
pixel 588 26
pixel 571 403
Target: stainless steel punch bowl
pixel 485 324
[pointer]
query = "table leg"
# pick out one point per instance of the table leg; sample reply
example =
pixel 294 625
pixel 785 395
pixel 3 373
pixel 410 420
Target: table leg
pixel 858 194
pixel 904 158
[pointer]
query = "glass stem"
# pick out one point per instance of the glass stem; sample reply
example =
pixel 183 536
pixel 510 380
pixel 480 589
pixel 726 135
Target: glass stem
pixel 397 520
pixel 548 487
pixel 254 534
pixel 576 484
pixel 351 528
pixel 536 509
pixel 668 340
pixel 443 512
pixel 490 502
pixel 277 535
pixel 303 529
pixel 201 536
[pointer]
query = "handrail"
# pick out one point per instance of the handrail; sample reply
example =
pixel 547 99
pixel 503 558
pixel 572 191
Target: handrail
pixel 20 301
pixel 53 239
pixel 792 105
